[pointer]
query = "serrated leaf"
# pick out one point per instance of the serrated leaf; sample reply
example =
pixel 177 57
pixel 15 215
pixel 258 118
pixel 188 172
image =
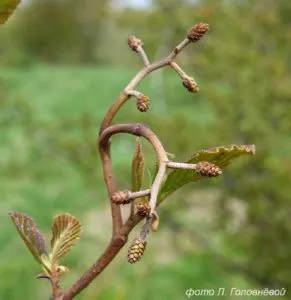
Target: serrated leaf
pixel 220 156
pixel 32 237
pixel 66 231
pixel 7 7
pixel 138 167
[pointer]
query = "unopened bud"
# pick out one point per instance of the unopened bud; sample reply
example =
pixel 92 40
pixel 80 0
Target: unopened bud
pixel 120 197
pixel 205 168
pixel 197 32
pixel 62 269
pixel 133 43
pixel 143 208
pixel 143 103
pixel 190 84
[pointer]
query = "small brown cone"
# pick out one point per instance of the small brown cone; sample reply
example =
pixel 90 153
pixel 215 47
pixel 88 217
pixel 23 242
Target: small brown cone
pixel 197 32
pixel 143 103
pixel 205 168
pixel 133 43
pixel 120 197
pixel 143 208
pixel 136 250
pixel 190 84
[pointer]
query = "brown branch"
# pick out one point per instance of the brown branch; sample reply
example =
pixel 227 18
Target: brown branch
pixel 143 55
pixel 119 231
pixel 56 285
pixel 178 70
pixel 139 130
pixel 111 251
pixel 125 197
pixel 111 187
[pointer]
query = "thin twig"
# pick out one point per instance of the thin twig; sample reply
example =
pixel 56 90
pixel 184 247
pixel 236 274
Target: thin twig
pixel 145 229
pixel 178 70
pixel 135 195
pixel 136 94
pixel 143 55
pixel 125 197
pixel 156 186
pixel 178 165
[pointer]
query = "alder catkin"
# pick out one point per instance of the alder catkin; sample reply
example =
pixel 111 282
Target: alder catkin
pixel 197 32
pixel 136 250
pixel 205 168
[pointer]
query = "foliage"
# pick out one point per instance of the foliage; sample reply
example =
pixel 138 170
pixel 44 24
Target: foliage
pixel 220 156
pixel 7 7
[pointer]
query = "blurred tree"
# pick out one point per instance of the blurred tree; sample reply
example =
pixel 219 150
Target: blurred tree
pixel 63 31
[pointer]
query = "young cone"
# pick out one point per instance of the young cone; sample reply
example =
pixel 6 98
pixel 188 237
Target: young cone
pixel 205 168
pixel 190 84
pixel 142 208
pixel 197 32
pixel 143 103
pixel 136 250
pixel 133 43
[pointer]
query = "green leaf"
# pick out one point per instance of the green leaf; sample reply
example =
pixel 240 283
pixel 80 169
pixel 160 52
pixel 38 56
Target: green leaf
pixel 138 167
pixel 7 7
pixel 66 231
pixel 220 156
pixel 32 237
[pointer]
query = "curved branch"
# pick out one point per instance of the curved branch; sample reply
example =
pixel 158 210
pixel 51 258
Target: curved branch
pixel 120 232
pixel 137 130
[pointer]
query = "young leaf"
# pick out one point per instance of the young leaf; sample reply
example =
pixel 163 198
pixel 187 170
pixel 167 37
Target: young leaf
pixel 32 237
pixel 7 7
pixel 220 156
pixel 138 166
pixel 66 231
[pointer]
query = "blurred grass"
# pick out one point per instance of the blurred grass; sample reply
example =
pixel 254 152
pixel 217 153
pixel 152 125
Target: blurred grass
pixel 49 122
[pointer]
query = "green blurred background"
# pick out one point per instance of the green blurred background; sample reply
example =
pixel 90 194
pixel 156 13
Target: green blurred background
pixel 62 64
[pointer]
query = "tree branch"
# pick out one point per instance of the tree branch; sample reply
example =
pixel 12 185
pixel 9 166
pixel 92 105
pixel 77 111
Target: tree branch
pixel 111 251
pixel 119 231
pixel 123 97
